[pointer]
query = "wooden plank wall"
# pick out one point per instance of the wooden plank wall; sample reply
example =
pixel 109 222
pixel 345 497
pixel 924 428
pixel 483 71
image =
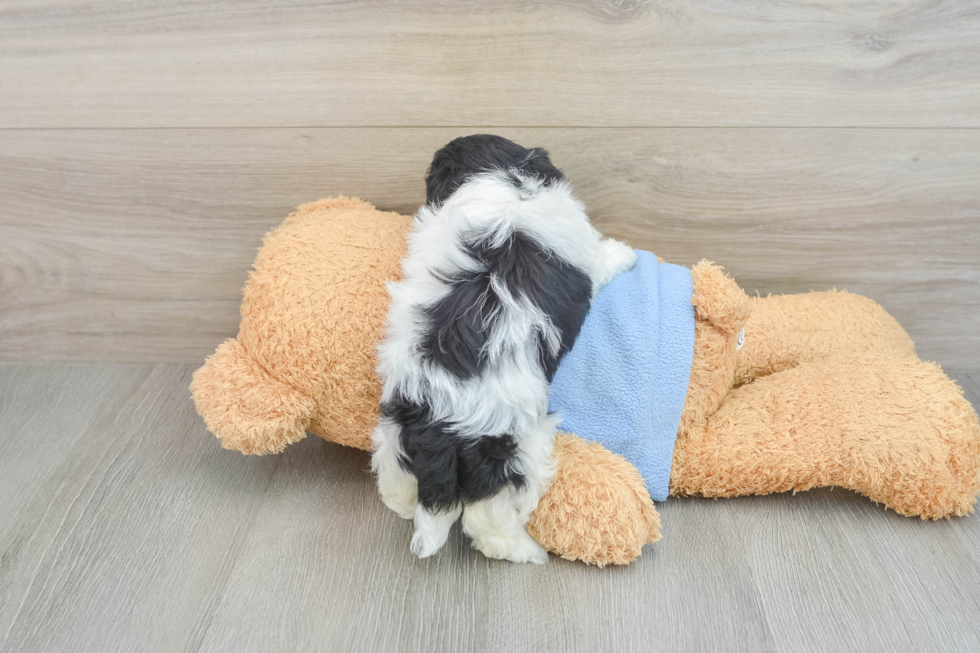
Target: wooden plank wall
pixel 145 147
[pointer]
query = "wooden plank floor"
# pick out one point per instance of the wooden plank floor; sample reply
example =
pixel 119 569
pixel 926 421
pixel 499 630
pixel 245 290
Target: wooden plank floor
pixel 125 527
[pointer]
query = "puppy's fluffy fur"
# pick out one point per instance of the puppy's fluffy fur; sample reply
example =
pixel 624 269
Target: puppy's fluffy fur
pixel 501 268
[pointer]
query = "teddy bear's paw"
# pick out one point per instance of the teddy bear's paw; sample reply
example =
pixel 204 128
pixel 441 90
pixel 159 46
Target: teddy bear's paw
pixel 597 509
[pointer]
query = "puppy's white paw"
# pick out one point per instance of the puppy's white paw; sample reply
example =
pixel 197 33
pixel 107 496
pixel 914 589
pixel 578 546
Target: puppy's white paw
pixel 399 491
pixel 616 257
pixel 517 548
pixel 426 543
pixel 402 505
pixel 432 529
pixel 619 256
pixel 531 552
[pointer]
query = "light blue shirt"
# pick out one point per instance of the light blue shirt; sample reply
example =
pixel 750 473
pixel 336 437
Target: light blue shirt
pixel 624 382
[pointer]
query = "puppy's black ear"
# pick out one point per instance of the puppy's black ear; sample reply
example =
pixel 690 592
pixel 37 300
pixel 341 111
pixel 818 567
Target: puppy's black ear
pixel 539 165
pixel 470 155
pixel 466 156
pixel 445 174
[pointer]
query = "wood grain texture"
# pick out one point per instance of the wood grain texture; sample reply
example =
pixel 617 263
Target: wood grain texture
pixel 132 520
pixel 133 245
pixel 123 526
pixel 88 63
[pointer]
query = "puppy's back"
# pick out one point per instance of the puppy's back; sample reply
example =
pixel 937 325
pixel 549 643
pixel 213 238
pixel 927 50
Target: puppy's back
pixel 508 287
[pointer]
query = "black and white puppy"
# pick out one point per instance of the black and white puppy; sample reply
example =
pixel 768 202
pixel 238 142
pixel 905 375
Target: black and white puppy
pixel 501 269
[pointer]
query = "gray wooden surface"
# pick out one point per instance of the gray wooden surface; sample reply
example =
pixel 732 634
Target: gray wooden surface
pixel 125 527
pixel 146 146
pixel 133 245
pixel 242 63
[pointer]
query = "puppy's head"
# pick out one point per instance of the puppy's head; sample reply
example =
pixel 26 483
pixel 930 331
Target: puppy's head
pixel 470 155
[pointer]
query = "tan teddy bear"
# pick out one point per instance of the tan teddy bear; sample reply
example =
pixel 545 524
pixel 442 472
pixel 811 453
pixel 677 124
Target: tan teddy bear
pixel 827 391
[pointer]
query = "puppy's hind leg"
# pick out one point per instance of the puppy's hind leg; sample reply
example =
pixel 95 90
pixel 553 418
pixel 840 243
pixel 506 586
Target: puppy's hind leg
pixel 496 522
pixel 398 488
pixel 432 529
pixel 439 505
pixel 497 528
pixel 537 465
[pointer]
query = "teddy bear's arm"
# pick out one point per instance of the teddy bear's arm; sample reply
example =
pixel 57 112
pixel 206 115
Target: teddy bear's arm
pixel 597 510
pixel 245 407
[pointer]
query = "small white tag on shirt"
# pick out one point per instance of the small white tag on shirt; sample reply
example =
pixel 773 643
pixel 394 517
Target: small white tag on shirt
pixel 741 340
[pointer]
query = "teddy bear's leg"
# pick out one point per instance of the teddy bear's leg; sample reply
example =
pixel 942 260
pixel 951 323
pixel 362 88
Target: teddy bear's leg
pixel 890 427
pixel 244 407
pixel 784 331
